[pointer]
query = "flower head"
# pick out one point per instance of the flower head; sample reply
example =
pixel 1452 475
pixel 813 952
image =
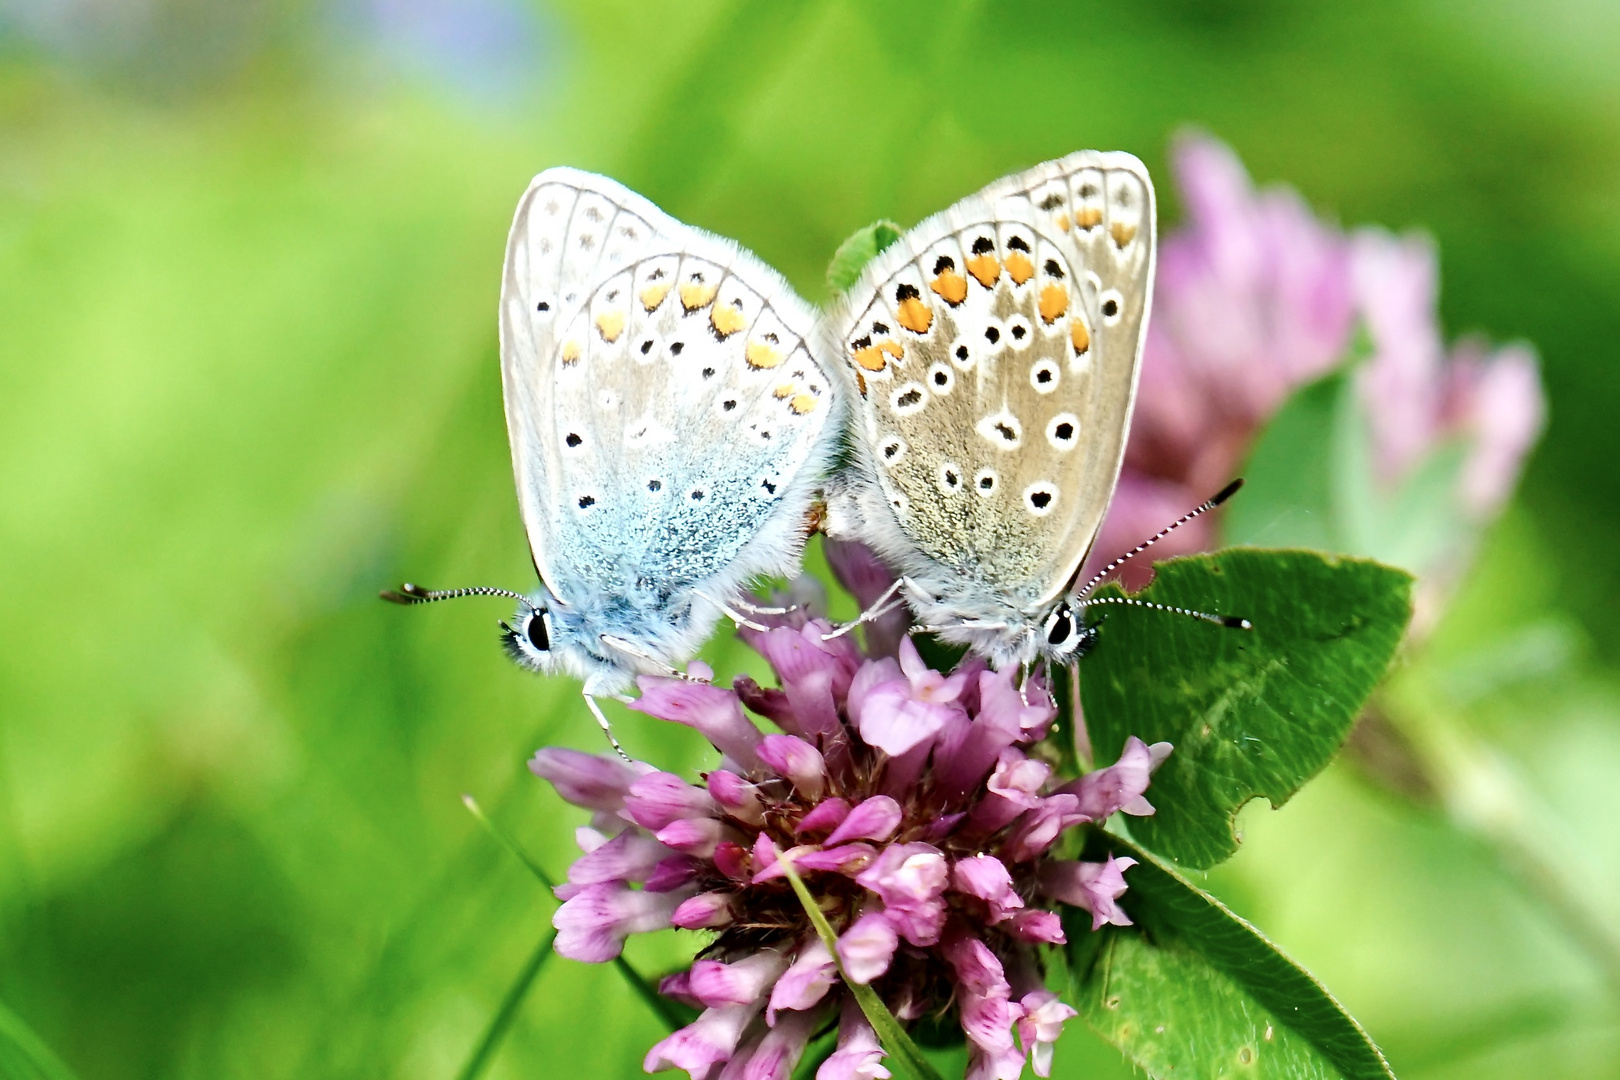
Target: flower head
pixel 916 807
pixel 1416 395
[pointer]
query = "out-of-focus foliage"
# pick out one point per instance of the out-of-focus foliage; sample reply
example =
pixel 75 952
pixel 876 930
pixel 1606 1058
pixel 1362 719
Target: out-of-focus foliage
pixel 248 264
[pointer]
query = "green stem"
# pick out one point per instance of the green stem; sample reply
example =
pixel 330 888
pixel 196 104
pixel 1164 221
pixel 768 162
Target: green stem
pixel 1484 798
pixel 508 1011
pixel 896 1042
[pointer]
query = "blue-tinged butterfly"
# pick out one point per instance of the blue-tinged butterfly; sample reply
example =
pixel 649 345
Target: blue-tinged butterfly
pixel 669 427
pixel 991 357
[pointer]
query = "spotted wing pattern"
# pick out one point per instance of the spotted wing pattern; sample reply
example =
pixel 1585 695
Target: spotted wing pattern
pixel 994 353
pixel 662 403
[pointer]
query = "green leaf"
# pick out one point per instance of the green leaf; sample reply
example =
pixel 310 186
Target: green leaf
pixel 897 1044
pixel 1287 499
pixel 854 253
pixel 1312 483
pixel 24 1055
pixel 1194 990
pixel 1250 712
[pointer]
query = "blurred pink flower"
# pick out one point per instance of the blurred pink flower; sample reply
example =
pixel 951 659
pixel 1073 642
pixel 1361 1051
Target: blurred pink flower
pixel 940 888
pixel 1253 299
pixel 1256 297
pixel 1415 395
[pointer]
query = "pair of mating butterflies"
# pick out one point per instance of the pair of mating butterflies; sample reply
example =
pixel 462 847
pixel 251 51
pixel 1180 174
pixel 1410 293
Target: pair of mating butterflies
pixel 675 409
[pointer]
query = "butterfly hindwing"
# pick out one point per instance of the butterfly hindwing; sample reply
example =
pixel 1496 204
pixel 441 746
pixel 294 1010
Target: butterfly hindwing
pixel 993 352
pixel 667 419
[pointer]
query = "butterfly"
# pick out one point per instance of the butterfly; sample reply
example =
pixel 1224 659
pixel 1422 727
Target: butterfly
pixel 669 427
pixel 991 357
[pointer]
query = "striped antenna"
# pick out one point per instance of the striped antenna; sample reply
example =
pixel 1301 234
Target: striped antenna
pixel 415 594
pixel 1219 620
pixel 1225 493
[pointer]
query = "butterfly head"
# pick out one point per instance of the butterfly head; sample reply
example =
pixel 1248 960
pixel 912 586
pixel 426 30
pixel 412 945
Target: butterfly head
pixel 539 635
pixel 551 637
pixel 530 638
pixel 1065 637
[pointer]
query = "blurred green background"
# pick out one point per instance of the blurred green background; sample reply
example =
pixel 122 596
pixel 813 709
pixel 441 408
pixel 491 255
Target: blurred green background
pixel 249 256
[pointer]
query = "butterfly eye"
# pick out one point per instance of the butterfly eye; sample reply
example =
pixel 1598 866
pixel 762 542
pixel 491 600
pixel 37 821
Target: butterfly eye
pixel 1059 628
pixel 538 632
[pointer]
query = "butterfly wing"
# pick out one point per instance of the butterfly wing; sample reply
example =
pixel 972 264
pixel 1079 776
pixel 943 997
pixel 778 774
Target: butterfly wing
pixel 667 420
pixel 993 352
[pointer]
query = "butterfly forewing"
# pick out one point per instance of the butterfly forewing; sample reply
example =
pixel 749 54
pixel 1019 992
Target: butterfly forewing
pixel 994 355
pixel 661 416
pixel 567 233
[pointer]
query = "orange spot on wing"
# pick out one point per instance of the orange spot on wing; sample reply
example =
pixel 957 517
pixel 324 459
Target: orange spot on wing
pixel 1062 222
pixel 985 269
pixel 860 383
pixel 696 295
pixel 570 352
pixel 1019 268
pixel 761 356
pixel 610 324
pixel 1054 302
pixel 1123 233
pixel 784 391
pixel 951 287
pixel 726 320
pixel 653 295
pixel 871 358
pixel 1080 336
pixel 802 404
pixel 915 315
pixel 1088 217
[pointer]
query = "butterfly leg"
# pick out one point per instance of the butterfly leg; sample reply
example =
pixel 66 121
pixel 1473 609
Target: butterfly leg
pixel 631 649
pixel 879 608
pixel 755 609
pixel 736 617
pixel 607 729
pixel 1023 683
pixel 965 624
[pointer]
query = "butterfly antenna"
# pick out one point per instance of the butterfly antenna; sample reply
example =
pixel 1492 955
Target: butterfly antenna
pixel 1225 493
pixel 1231 621
pixel 415 594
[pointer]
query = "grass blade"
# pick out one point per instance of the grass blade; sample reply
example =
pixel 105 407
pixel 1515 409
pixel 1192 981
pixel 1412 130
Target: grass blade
pixel 648 993
pixel 502 1022
pixel 507 842
pixel 25 1054
pixel 896 1042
